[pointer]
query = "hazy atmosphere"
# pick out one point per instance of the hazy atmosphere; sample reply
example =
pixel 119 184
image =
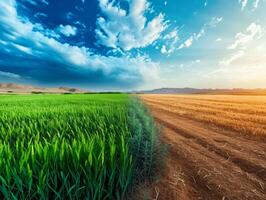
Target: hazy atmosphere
pixel 133 44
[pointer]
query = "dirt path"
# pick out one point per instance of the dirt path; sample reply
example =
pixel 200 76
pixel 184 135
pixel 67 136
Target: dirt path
pixel 209 163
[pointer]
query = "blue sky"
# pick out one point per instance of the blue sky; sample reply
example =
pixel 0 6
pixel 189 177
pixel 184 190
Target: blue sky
pixel 133 44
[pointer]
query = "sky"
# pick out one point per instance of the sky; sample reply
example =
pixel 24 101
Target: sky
pixel 134 44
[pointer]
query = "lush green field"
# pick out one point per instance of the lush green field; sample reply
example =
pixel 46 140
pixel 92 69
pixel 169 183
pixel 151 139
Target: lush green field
pixel 73 146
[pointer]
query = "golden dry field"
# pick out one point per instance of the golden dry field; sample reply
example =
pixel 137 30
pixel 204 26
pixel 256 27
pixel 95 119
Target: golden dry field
pixel 245 114
pixel 217 146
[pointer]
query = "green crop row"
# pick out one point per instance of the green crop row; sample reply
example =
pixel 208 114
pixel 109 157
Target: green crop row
pixel 74 146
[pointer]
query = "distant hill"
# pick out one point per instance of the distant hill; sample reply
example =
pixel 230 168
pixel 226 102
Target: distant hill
pixel 20 88
pixel 236 91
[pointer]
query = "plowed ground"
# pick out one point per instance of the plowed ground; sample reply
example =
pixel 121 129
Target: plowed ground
pixel 211 158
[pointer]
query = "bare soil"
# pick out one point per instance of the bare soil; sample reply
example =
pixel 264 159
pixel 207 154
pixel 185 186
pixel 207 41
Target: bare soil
pixel 208 162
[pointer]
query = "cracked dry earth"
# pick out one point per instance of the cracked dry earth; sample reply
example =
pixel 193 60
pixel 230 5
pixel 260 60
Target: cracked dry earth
pixel 205 160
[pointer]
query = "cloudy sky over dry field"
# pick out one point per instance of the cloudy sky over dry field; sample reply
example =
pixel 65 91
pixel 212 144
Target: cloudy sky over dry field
pixel 133 44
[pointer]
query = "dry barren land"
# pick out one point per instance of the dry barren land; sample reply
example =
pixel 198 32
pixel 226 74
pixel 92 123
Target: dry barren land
pixel 217 146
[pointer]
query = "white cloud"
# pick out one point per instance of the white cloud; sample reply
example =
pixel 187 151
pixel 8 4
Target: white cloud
pixel 32 2
pixel 29 41
pixel 172 35
pixel 170 41
pixel 218 39
pixel 211 24
pixel 46 32
pixel 39 14
pixel 256 3
pixel 22 48
pixel 232 58
pixel 163 49
pixel 35 2
pixel 67 30
pixel 44 2
pixel 119 29
pixel 188 42
pixel 70 15
pixel 243 50
pixel 9 75
pixel 245 3
pixel 243 39
pixel 214 22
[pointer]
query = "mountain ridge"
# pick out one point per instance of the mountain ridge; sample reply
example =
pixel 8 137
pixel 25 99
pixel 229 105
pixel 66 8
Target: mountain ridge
pixel 25 88
pixel 188 90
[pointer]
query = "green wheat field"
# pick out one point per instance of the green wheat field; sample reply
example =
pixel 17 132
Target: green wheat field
pixel 80 146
